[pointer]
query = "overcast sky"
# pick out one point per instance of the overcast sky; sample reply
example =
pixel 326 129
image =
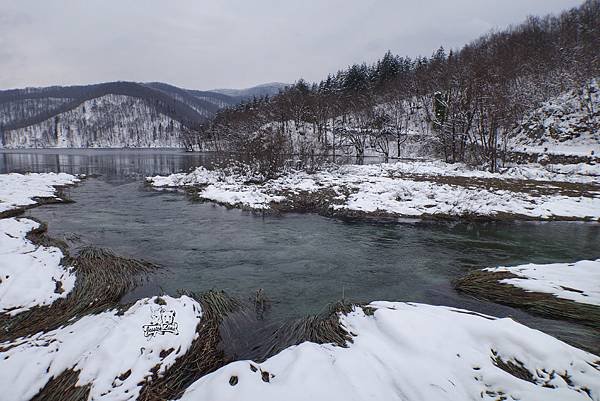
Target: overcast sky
pixel 231 44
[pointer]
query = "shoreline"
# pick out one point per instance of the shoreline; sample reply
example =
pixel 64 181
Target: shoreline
pixel 402 190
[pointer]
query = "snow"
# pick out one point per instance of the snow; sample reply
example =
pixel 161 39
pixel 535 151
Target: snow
pixel 562 125
pixel 413 352
pixel 407 189
pixel 579 281
pixel 101 348
pixel 21 189
pixel 29 274
pixel 110 121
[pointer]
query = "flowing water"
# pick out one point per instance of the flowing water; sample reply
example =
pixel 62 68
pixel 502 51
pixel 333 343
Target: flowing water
pixel 303 262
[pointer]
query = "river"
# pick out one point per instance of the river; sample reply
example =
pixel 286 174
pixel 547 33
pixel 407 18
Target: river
pixel 303 262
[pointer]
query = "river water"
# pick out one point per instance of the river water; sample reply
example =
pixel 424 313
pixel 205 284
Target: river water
pixel 303 262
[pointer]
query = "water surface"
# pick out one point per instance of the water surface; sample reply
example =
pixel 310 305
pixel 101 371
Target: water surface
pixel 303 262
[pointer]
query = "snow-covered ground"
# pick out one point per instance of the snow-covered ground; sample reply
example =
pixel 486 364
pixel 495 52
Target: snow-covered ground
pixel 30 275
pixel 579 281
pixel 21 189
pixel 109 350
pixel 414 352
pixel 409 189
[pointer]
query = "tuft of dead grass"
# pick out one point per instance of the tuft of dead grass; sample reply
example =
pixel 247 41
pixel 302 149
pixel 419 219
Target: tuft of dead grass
pixel 102 279
pixel 486 285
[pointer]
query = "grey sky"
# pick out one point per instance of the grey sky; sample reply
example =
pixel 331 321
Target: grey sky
pixel 225 43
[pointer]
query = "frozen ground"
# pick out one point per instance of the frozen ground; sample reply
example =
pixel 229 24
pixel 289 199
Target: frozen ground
pixel 414 189
pixel 579 282
pixel 415 352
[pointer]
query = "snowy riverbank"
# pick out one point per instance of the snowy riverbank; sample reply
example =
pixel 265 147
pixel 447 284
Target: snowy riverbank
pixel 578 282
pixel 408 189
pixel 415 352
pixel 568 291
pixel 30 274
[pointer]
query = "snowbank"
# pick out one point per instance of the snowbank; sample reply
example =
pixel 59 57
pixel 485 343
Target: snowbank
pixel 579 282
pixel 20 189
pixel 109 350
pixel 30 275
pixel 411 189
pixel 414 352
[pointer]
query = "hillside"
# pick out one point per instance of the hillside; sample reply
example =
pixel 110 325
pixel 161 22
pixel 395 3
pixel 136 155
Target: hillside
pixel 458 105
pixel 114 114
pixel 268 89
pixel 565 125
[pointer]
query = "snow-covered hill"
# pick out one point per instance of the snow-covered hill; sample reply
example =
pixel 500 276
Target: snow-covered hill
pixel 568 124
pixel 269 89
pixel 106 122
pixel 113 114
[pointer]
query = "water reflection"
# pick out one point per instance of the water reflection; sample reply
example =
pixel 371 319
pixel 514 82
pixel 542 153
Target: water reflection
pixel 112 164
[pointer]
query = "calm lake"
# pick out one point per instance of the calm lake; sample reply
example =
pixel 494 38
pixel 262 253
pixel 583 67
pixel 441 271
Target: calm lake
pixel 303 262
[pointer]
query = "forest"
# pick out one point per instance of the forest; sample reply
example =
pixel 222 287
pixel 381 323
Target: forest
pixel 464 102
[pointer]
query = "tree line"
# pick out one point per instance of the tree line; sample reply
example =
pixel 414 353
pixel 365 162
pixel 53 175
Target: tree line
pixel 468 99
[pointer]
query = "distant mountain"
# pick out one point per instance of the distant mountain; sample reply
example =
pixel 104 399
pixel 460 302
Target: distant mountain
pixel 270 89
pixel 113 114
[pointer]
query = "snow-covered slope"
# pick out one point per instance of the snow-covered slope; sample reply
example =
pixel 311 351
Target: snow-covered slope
pixel 105 122
pixel 19 109
pixel 568 124
pixel 269 89
pixel 110 350
pixel 112 114
pixel 415 352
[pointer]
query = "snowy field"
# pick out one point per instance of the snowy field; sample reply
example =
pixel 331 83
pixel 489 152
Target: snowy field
pixel 579 282
pixel 414 352
pixel 414 189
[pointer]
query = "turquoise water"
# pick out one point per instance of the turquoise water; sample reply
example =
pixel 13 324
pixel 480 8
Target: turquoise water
pixel 303 262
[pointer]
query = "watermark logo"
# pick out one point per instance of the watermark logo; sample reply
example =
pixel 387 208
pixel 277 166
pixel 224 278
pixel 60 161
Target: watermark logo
pixel 162 321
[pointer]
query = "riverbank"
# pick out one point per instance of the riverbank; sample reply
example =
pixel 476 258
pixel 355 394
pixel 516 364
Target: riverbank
pixel 569 291
pixel 434 190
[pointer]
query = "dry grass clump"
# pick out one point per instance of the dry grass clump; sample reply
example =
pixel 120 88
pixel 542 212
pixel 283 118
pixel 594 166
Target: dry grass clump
pixel 486 285
pixel 103 278
pixel 63 388
pixel 204 356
